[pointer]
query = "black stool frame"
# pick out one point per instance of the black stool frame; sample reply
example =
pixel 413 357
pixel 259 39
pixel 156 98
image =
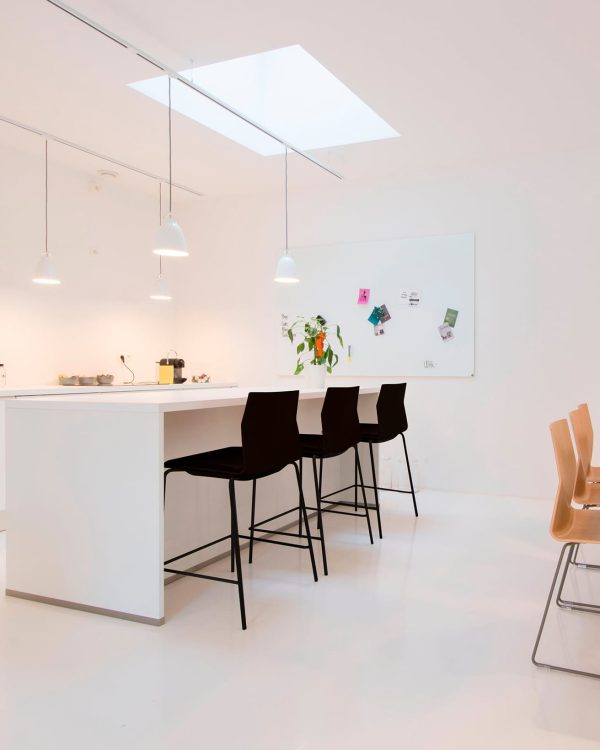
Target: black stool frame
pixel 281 436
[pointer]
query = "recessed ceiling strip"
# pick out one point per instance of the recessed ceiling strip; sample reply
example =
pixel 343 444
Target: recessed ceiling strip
pixel 175 74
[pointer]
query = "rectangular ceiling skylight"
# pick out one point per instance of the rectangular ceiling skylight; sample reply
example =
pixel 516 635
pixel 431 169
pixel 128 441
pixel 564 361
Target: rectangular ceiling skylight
pixel 285 90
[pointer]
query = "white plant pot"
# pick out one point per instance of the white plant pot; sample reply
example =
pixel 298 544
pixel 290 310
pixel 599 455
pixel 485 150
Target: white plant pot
pixel 315 376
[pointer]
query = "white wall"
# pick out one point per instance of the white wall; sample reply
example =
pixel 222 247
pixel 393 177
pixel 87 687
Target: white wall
pixel 537 275
pixel 101 242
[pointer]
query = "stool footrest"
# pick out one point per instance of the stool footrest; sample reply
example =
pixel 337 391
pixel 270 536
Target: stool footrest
pixel 274 541
pixel 197 549
pixel 200 575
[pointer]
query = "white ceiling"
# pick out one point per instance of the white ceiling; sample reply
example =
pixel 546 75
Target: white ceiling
pixel 462 81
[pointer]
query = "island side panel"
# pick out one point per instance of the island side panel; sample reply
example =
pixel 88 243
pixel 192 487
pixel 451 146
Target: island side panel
pixel 84 502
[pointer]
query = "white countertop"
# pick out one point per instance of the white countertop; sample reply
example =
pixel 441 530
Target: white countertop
pixel 160 400
pixel 71 390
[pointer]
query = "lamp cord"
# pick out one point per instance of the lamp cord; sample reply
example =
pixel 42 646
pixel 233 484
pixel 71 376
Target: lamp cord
pixel 170 148
pixel 286 200
pixel 46 200
pixel 160 223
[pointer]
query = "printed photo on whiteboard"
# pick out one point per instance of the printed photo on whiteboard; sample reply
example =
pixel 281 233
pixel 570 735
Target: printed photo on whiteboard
pixel 363 296
pixel 446 332
pixel 384 315
pixel 374 316
pixel 410 298
pixel 284 325
pixel 450 317
pixel 379 329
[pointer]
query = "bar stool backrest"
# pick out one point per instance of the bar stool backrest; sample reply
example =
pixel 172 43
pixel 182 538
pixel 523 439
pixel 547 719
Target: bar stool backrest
pixel 566 465
pixel 391 414
pixel 270 438
pixel 584 437
pixel 339 419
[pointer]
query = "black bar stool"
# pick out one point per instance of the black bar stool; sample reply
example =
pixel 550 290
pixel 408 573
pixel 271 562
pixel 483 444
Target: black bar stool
pixel 391 422
pixel 340 432
pixel 270 442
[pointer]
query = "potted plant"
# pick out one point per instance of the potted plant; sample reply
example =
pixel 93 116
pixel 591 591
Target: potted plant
pixel 314 350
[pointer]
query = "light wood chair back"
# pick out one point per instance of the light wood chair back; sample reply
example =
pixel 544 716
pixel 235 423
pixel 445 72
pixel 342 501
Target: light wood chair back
pixel 584 440
pixel 566 464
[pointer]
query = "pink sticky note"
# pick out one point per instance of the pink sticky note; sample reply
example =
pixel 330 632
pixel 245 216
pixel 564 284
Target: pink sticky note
pixel 363 296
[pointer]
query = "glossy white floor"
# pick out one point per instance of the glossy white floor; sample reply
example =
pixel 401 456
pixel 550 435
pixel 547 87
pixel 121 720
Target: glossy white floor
pixel 422 640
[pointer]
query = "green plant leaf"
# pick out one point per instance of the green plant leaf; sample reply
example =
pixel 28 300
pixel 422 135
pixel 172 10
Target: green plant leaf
pixel 337 359
pixel 300 347
pixel 339 336
pixel 291 334
pixel 299 368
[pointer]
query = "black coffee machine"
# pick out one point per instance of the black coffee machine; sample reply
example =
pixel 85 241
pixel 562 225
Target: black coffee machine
pixel 178 365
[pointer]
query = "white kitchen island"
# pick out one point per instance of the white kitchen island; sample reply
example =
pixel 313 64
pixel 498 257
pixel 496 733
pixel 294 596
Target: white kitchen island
pixel 84 484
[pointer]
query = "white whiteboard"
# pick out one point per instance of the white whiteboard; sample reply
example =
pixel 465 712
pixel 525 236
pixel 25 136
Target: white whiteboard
pixel 441 269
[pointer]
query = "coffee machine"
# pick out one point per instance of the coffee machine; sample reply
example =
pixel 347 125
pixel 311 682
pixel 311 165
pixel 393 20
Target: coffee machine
pixel 178 365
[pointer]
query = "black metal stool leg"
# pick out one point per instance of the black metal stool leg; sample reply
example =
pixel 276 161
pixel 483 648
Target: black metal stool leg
pixel 236 547
pixel 375 490
pixel 412 489
pixel 307 527
pixel 355 485
pixel 252 516
pixel 319 514
pixel 299 508
pixel 364 494
pixel 166 474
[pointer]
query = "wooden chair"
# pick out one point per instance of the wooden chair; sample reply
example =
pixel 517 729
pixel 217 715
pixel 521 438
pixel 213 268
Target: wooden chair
pixel 587 489
pixel 571 526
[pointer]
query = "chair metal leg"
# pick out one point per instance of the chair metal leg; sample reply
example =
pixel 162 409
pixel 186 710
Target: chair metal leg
pixel 575 561
pixel 412 489
pixel 355 485
pixel 300 509
pixel 252 516
pixel 167 472
pixel 545 615
pixel 566 603
pixel 307 527
pixel 375 490
pixel 236 548
pixel 318 482
pixel 364 494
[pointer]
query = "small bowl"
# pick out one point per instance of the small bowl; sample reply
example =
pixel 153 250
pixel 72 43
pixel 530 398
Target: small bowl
pixel 68 379
pixel 87 381
pixel 105 379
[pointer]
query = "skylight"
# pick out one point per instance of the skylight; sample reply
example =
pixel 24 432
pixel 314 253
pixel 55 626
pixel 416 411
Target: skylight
pixel 285 90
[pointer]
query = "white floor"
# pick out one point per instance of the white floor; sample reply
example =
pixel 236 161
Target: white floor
pixel 421 641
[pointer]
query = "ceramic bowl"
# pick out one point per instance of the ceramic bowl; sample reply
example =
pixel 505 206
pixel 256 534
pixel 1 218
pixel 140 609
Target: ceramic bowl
pixel 105 379
pixel 68 380
pixel 87 380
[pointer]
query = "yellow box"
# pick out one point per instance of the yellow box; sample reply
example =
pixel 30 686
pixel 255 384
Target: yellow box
pixel 166 374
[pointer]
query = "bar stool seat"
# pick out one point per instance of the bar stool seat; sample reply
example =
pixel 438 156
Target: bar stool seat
pixel 371 433
pixel 313 445
pixel 223 463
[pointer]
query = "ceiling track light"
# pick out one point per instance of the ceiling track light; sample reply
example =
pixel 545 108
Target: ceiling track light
pixel 45 271
pixel 286 267
pixel 170 240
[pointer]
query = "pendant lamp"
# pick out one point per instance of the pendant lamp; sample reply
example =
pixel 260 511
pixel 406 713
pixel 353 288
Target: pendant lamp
pixel 170 240
pixel 161 286
pixel 286 266
pixel 45 271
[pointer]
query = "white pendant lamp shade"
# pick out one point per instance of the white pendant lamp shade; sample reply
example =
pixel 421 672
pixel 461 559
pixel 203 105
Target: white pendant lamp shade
pixel 45 271
pixel 286 270
pixel 170 240
pixel 161 289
